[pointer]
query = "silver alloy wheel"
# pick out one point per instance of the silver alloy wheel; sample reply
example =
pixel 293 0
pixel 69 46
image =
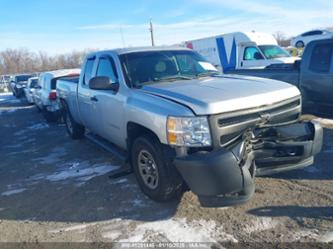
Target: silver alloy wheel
pixel 69 123
pixel 148 169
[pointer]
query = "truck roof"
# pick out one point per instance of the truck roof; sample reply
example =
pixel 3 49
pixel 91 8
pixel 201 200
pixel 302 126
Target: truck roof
pixel 120 51
pixel 259 38
pixel 61 73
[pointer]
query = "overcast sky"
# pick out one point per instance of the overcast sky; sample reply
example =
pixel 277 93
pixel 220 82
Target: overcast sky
pixel 57 26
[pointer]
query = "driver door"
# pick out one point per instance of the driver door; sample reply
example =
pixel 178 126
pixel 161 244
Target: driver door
pixel 252 57
pixel 107 105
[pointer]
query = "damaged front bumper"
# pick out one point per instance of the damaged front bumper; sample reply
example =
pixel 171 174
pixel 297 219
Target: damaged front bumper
pixel 286 147
pixel 225 176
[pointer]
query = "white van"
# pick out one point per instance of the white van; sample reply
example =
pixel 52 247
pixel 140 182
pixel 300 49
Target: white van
pixel 45 96
pixel 241 50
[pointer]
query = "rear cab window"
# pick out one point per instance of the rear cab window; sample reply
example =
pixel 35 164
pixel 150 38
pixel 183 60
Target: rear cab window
pixel 321 58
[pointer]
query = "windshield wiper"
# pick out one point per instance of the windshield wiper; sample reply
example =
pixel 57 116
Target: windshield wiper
pixel 207 73
pixel 166 78
pixel 172 77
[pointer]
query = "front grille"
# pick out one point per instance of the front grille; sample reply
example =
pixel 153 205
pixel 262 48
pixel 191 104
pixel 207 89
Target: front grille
pixel 228 126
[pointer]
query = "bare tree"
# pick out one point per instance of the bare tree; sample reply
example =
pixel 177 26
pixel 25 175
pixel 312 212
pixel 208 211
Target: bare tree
pixel 281 39
pixel 13 61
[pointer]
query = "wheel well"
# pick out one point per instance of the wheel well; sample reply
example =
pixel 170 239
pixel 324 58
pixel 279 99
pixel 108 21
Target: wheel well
pixel 135 130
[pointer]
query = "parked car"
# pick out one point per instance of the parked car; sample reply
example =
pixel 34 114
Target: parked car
pixel 302 40
pixel 313 76
pixel 45 97
pixel 241 50
pixel 180 123
pixel 30 88
pixel 4 83
pixel 18 83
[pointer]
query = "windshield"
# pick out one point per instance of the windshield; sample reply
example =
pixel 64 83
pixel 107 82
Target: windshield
pixel 151 67
pixel 21 78
pixel 273 51
pixel 34 83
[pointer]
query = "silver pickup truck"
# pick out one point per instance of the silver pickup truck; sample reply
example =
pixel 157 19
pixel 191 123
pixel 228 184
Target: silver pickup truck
pixel 183 124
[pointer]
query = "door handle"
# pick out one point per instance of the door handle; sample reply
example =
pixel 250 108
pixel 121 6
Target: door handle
pixel 94 98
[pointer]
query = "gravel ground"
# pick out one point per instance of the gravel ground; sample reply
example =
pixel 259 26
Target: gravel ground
pixel 53 189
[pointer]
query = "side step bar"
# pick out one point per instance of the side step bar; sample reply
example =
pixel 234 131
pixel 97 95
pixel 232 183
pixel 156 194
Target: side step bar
pixel 114 150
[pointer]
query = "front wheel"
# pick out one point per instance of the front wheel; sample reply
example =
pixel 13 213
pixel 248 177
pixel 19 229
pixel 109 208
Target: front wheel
pixel 156 175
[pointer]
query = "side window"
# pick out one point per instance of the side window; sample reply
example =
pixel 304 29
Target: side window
pixel 314 32
pixel 321 58
pixel 88 71
pixel 317 32
pixel 106 68
pixel 252 53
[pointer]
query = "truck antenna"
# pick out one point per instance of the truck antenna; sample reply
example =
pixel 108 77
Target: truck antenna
pixel 122 36
pixel 151 29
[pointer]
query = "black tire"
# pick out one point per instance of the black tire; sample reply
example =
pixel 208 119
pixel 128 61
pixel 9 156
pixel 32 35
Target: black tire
pixel 169 184
pixel 38 108
pixel 74 130
pixel 50 117
pixel 299 44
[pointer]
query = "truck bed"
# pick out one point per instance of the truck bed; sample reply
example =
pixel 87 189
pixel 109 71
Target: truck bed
pixel 287 74
pixel 67 89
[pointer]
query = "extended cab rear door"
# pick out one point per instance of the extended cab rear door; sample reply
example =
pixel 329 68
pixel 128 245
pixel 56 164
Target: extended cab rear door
pixel 316 78
pixel 84 94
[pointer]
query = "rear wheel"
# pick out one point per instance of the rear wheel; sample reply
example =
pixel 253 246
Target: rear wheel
pixel 74 130
pixel 156 175
pixel 299 44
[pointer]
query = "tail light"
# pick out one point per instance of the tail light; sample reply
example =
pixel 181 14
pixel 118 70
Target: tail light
pixel 53 95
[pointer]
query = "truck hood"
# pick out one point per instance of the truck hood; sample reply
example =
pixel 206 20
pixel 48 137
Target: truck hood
pixel 221 94
pixel 287 59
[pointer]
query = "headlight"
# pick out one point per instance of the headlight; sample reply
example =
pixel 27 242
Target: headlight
pixel 188 131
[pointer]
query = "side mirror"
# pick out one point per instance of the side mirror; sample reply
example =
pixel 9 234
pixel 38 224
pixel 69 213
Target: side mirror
pixel 103 83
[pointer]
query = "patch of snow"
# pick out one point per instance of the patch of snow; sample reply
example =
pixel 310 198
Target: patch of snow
pixel 261 224
pixel 53 157
pixel 13 191
pixel 138 203
pixel 327 237
pixel 311 233
pixel 38 126
pixel 179 230
pixel 20 144
pixel 113 235
pixel 81 172
pixel 122 180
pixel 34 127
pixel 70 229
pixel 84 174
pixel 14 146
pixel 6 94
